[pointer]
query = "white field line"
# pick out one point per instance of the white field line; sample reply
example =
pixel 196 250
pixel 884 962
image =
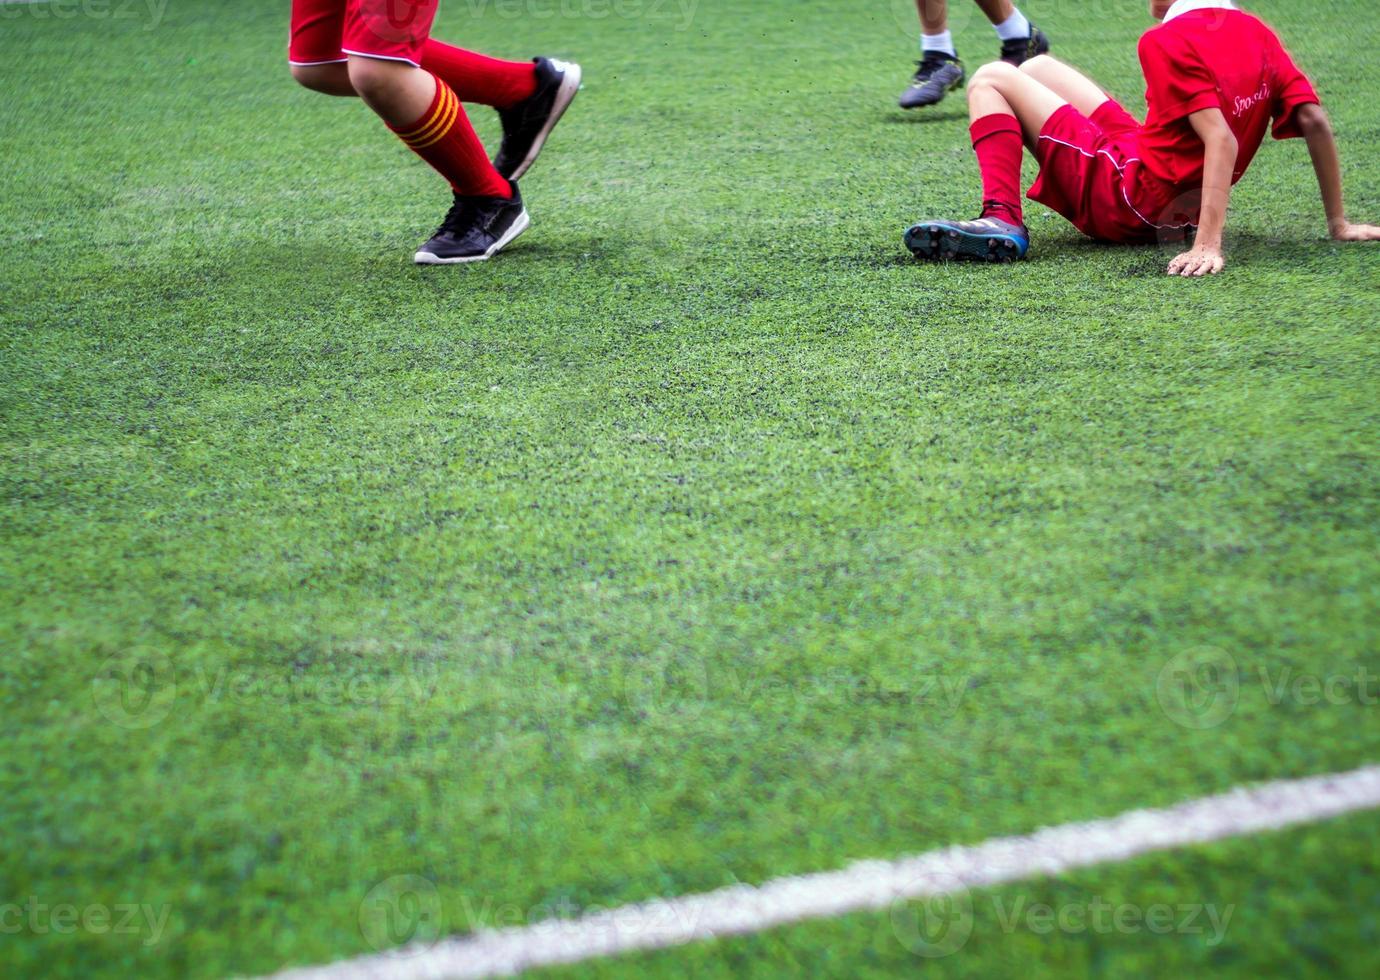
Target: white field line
pixel 867 885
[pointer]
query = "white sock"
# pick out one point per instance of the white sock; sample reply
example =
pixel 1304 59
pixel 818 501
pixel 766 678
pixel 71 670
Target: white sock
pixel 1014 28
pixel 939 42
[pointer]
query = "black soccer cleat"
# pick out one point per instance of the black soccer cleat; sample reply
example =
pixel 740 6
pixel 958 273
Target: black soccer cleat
pixel 983 240
pixel 1022 49
pixel 527 124
pixel 475 229
pixel 936 75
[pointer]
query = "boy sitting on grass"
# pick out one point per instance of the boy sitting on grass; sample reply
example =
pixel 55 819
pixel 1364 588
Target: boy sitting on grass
pixel 1217 79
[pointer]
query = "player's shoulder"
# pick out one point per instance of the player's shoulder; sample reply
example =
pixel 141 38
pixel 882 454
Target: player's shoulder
pixel 1229 27
pixel 1221 22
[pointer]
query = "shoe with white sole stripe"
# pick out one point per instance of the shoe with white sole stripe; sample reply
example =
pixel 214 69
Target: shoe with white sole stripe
pixel 475 229
pixel 527 124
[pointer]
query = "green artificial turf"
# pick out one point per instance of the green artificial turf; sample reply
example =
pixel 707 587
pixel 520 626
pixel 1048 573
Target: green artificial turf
pixel 701 537
pixel 1296 904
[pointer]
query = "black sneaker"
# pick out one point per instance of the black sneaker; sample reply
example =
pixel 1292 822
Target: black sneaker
pixel 475 229
pixel 1022 49
pixel 937 74
pixel 527 124
pixel 983 240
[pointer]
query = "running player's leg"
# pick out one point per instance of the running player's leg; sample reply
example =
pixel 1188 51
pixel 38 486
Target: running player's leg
pixel 326 79
pixel 315 57
pixel 385 54
pixel 1020 39
pixel 530 96
pixel 478 78
pixel 939 71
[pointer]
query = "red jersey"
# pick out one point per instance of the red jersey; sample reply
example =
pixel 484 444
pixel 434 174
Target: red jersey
pixel 1216 58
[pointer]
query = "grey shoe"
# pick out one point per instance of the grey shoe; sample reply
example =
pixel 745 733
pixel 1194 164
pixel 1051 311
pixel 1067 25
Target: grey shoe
pixel 936 75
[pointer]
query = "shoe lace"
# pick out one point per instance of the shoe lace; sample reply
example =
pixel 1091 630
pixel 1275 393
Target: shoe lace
pixel 1019 45
pixel 928 65
pixel 458 218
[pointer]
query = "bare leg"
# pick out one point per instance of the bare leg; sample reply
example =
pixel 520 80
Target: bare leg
pixel 999 88
pixel 329 79
pixel 400 93
pixel 1068 83
pixel 997 10
pixel 934 15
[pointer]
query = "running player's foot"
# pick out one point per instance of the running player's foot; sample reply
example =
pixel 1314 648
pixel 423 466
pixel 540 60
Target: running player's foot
pixel 936 75
pixel 1022 49
pixel 527 124
pixel 983 240
pixel 475 229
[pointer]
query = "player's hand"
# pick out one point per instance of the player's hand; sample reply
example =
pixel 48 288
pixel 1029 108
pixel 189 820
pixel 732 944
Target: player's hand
pixel 1201 261
pixel 1345 231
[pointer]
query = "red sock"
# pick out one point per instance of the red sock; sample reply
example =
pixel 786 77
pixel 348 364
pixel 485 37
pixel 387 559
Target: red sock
pixel 998 142
pixel 479 78
pixel 444 138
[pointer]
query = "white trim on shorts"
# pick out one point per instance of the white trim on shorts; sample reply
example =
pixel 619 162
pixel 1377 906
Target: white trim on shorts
pixel 1120 169
pixel 381 57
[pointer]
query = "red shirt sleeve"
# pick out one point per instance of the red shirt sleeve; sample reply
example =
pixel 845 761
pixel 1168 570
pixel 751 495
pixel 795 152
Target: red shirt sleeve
pixel 1178 84
pixel 1292 89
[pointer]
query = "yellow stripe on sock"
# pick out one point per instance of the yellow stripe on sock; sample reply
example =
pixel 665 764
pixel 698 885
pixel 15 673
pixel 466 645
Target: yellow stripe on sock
pixel 412 133
pixel 429 120
pixel 443 127
pixel 440 123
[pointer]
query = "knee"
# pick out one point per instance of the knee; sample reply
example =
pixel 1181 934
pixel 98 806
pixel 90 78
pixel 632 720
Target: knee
pixel 1037 65
pixel 994 75
pixel 307 76
pixel 375 80
pixel 315 77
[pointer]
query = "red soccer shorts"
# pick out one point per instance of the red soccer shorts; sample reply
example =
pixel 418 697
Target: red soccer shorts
pixel 1091 173
pixel 328 30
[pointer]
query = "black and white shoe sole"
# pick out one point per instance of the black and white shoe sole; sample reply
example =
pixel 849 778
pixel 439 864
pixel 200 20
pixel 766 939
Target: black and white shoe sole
pixel 937 243
pixel 518 226
pixel 565 94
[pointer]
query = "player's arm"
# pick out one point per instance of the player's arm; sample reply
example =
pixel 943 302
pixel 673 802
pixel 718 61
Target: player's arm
pixel 1322 147
pixel 1219 166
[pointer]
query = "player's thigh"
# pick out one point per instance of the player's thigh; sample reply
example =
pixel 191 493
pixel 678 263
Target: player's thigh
pixel 1068 83
pixel 316 32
